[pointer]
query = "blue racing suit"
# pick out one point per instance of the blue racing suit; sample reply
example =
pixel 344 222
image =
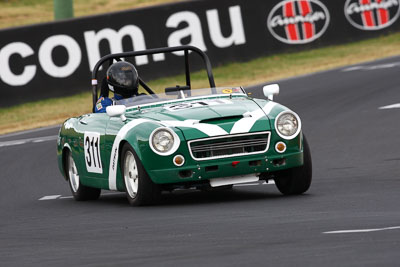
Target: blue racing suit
pixel 103 102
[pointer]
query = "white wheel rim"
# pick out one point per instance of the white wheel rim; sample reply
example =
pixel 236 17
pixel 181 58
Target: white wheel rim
pixel 131 175
pixel 73 174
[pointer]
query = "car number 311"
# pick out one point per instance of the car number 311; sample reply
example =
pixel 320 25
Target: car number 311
pixel 92 152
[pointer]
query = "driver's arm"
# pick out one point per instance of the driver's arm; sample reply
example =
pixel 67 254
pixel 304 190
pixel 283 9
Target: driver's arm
pixel 102 103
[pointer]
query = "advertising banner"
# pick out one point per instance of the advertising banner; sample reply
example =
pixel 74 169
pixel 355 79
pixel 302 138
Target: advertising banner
pixel 56 59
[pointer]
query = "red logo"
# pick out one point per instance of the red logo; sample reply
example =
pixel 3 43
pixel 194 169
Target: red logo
pixel 372 14
pixel 298 21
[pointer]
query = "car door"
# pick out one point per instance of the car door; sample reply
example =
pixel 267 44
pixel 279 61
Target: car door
pixel 92 157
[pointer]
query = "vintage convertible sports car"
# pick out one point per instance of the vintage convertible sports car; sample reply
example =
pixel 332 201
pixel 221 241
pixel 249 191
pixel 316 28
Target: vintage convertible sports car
pixel 206 138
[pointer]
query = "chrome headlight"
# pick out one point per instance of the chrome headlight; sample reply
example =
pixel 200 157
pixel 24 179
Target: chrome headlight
pixel 287 125
pixel 164 141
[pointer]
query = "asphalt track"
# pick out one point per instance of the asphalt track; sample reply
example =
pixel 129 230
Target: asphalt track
pixel 349 217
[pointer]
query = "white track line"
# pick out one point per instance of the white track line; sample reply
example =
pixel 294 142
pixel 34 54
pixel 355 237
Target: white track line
pixel 372 67
pixel 50 197
pixel 362 230
pixel 391 106
pixel 28 140
pixel 31 131
pixel 53 197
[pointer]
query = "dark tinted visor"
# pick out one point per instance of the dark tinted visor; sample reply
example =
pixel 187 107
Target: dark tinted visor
pixel 122 76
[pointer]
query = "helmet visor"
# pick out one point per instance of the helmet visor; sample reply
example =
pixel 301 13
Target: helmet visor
pixel 123 77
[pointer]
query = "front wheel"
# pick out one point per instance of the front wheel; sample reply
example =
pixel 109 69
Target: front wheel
pixel 140 189
pixel 297 180
pixel 78 190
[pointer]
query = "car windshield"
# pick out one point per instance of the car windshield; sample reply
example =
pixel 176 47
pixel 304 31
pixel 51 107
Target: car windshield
pixel 179 94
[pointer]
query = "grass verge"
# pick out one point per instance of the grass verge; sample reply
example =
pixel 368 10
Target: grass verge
pixel 23 12
pixel 54 111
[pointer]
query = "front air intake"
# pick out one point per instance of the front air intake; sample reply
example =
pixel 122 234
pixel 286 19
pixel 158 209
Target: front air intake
pixel 229 146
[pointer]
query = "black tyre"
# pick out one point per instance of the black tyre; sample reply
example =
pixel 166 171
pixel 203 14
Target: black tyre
pixel 79 191
pixel 297 180
pixel 140 189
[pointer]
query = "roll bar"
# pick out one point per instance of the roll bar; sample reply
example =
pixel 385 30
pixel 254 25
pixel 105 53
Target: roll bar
pixel 184 48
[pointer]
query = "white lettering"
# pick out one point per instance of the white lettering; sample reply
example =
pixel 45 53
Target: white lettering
pixel 46 60
pixel 114 39
pixel 357 8
pixel 312 17
pixel 237 37
pixel 6 74
pixel 193 30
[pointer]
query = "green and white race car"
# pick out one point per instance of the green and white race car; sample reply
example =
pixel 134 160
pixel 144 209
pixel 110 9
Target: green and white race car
pixel 205 138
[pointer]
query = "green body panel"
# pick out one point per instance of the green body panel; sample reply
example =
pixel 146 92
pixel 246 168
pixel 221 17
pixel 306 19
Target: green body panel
pixel 183 118
pixel 72 133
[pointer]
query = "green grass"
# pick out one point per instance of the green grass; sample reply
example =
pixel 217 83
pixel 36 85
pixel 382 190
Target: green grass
pixel 25 12
pixel 54 111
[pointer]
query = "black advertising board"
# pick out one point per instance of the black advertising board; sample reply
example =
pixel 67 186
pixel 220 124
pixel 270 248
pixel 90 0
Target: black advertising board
pixel 55 59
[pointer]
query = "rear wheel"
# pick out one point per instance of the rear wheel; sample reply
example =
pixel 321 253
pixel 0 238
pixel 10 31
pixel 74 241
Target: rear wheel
pixel 79 191
pixel 297 180
pixel 140 189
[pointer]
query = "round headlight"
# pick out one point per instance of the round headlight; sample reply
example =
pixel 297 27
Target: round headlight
pixel 287 125
pixel 164 141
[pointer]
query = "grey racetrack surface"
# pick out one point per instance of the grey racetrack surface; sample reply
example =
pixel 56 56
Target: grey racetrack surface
pixel 356 156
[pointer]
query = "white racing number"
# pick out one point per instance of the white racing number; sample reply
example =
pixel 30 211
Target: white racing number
pixel 92 152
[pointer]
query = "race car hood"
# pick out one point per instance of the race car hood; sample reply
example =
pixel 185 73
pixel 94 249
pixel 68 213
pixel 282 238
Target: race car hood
pixel 213 117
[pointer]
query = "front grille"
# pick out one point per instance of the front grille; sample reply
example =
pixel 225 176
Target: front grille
pixel 229 146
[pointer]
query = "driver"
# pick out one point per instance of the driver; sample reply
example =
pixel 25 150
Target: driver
pixel 123 80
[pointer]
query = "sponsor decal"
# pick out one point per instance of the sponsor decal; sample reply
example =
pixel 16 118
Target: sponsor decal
pixel 372 15
pixel 197 104
pixel 98 104
pixel 298 21
pixel 227 91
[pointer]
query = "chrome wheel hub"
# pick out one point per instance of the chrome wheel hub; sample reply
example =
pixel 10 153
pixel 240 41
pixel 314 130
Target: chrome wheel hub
pixel 131 175
pixel 73 174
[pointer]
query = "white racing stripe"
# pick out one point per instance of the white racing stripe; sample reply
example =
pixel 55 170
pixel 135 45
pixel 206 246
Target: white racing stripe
pixel 208 129
pixel 250 118
pixel 362 230
pixel 112 174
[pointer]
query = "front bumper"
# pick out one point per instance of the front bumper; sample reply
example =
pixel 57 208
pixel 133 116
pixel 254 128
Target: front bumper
pixel 228 167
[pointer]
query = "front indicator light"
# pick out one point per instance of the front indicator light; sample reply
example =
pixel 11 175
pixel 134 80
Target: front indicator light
pixel 280 147
pixel 179 160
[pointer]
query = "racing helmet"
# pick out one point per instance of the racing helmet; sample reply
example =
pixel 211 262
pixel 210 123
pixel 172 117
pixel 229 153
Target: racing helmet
pixel 123 79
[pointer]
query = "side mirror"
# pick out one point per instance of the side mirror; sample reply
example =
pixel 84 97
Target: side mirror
pixel 116 111
pixel 270 90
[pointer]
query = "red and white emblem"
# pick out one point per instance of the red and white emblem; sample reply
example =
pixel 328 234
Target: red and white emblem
pixel 298 21
pixel 372 14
